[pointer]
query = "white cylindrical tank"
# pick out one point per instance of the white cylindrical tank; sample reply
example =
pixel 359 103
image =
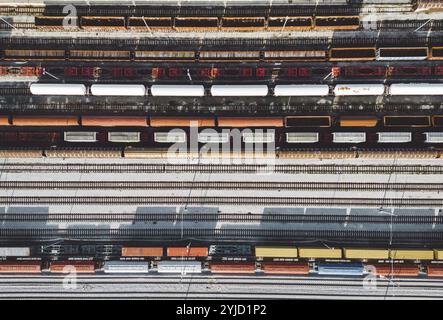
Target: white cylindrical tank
pixel 118 90
pixel 411 89
pixel 58 89
pixel 177 90
pixel 239 90
pixel 301 90
pixel 359 89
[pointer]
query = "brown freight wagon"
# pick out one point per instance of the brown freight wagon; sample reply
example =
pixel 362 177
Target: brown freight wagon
pixel 70 266
pixel 4 121
pixel 232 267
pixel 182 121
pixel 111 121
pixel 239 122
pixel 45 121
pixel 142 251
pixel 435 271
pixel 395 270
pixel 187 252
pixel 285 268
pixel 20 267
pixel 358 121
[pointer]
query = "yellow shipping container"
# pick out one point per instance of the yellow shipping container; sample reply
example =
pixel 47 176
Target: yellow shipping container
pixel 319 253
pixel 438 253
pixel 276 252
pixel 412 254
pixel 366 253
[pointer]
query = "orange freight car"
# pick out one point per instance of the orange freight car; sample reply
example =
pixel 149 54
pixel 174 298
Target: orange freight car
pixel 142 251
pixel 232 267
pixel 45 121
pixel 111 121
pixel 358 121
pixel 187 252
pixel 238 122
pixel 182 121
pixel 70 266
pixel 4 121
pixel 20 267
pixel 435 271
pixel 285 268
pixel 396 270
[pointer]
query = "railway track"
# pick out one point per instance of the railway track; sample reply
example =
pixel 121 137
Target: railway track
pixel 218 168
pixel 220 185
pixel 217 287
pixel 60 108
pixel 154 234
pixel 219 217
pixel 253 201
pixel 406 39
pixel 191 11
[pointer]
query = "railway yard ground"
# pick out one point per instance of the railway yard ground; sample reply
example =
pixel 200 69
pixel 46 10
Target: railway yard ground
pixel 217 150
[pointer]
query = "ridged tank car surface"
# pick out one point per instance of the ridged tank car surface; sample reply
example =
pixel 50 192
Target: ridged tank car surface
pixel 20 267
pixel 395 270
pixel 232 267
pixel 68 267
pixel 285 268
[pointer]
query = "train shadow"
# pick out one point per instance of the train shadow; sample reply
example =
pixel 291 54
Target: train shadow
pixel 11 216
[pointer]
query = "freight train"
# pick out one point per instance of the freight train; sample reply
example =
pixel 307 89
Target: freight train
pixel 315 53
pixel 272 260
pixel 289 90
pixel 203 24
